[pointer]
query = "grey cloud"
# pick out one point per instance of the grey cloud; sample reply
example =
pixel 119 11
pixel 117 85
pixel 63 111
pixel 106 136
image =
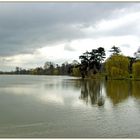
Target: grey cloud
pixel 25 27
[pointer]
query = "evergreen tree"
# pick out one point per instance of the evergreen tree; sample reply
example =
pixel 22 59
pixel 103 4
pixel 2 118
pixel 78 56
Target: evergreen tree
pixel 115 50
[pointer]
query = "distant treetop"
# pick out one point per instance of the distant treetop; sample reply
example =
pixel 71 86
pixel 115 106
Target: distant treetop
pixel 137 54
pixel 115 50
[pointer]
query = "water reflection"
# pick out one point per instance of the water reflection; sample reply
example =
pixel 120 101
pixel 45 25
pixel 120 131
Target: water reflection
pixel 62 84
pixel 136 89
pixel 52 98
pixel 118 91
pixel 50 107
pixel 91 92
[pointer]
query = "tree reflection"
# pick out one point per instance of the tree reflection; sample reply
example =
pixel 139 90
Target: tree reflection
pixel 91 92
pixel 117 90
pixel 136 89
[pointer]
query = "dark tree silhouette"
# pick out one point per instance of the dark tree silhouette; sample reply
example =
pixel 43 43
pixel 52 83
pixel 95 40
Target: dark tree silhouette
pixel 91 61
pixel 85 61
pixel 131 60
pixel 115 50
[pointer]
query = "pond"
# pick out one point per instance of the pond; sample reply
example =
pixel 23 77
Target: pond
pixel 68 107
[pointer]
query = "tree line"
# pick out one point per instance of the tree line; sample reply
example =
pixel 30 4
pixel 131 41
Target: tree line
pixel 92 65
pixel 49 68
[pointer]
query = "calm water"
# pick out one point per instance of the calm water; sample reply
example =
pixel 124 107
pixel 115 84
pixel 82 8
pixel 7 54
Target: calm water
pixel 62 106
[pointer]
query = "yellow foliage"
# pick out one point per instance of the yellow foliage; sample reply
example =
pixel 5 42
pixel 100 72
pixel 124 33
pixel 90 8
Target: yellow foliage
pixel 117 66
pixel 136 69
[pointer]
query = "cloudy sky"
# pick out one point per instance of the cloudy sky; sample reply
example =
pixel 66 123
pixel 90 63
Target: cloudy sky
pixel 33 33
